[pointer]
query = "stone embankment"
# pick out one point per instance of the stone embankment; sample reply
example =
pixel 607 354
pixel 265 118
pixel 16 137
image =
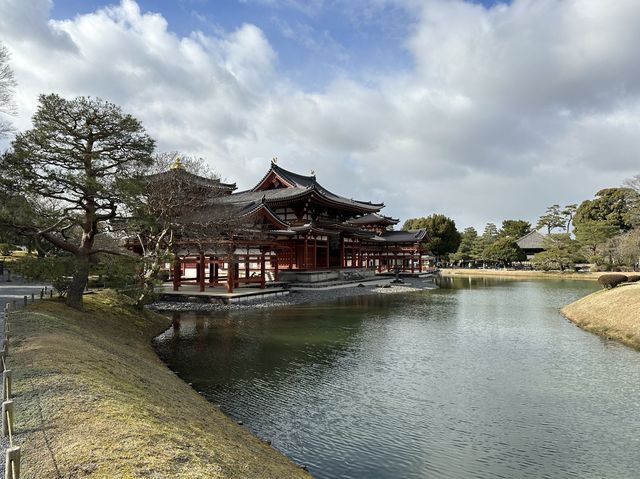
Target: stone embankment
pixel 408 285
pixel 614 314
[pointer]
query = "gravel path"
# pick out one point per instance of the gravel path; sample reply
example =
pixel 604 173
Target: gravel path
pixel 300 297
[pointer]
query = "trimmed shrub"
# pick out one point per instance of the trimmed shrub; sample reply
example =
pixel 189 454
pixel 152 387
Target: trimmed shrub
pixel 609 281
pixel 633 279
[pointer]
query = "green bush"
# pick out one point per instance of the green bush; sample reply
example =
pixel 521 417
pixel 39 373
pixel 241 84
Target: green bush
pixel 609 281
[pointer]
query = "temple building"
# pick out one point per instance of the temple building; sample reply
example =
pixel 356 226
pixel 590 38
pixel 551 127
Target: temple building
pixel 288 227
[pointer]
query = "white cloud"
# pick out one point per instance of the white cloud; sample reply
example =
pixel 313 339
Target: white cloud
pixel 507 110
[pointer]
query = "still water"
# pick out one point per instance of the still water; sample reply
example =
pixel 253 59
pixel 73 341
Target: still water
pixel 479 379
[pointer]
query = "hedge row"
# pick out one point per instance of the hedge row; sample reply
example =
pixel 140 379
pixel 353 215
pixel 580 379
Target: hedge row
pixel 609 281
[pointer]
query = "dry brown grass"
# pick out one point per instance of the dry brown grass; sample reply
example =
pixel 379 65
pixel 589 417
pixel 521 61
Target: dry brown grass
pixel 520 274
pixel 611 313
pixel 93 400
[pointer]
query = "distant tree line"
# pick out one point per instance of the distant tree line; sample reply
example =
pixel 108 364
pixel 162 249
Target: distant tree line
pixel 603 232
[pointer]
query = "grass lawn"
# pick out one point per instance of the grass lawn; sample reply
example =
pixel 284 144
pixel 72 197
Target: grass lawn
pixel 612 313
pixel 92 399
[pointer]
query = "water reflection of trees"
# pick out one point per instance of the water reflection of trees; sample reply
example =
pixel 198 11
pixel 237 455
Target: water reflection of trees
pixel 215 350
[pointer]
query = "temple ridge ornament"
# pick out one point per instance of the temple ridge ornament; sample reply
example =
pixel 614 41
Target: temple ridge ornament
pixel 177 164
pixel 274 160
pixel 313 172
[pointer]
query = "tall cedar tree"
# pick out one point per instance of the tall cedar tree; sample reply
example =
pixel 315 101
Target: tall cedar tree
pixel 74 169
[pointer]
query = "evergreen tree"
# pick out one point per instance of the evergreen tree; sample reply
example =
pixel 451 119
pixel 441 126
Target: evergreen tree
pixel 73 170
pixel 442 231
pixel 514 229
pixel 465 250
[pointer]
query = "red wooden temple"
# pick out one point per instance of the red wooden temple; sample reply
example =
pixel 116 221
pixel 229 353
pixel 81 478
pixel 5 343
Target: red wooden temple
pixel 291 222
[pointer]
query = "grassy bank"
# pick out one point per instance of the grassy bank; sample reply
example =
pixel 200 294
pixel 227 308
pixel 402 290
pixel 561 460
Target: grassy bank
pixel 611 313
pixel 93 400
pixel 506 273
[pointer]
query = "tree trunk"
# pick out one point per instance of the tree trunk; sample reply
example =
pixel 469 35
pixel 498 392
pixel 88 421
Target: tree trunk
pixel 78 284
pixel 147 288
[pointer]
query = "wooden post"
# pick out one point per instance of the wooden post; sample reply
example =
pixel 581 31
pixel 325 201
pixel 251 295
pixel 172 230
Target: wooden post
pixel 211 270
pixel 419 261
pixel 342 258
pixel 276 273
pixel 201 265
pixel 413 269
pixel 216 273
pixel 262 271
pixel 177 272
pixel 6 385
pixel 247 264
pixel 7 410
pixel 12 463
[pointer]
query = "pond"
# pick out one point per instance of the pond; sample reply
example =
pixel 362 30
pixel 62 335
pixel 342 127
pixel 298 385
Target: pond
pixel 482 378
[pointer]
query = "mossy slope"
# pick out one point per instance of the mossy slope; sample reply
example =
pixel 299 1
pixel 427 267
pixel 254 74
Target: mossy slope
pixel 611 313
pixel 93 400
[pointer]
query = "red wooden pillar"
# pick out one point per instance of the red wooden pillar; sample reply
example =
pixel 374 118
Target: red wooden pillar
pixel 230 270
pixel 291 253
pixel 211 270
pixel 177 272
pixel 201 271
pixel 276 275
pixel 216 272
pixel 342 258
pixel 359 254
pixel 247 264
pixel 419 262
pixel 315 252
pixel 327 264
pixel 305 254
pixel 262 271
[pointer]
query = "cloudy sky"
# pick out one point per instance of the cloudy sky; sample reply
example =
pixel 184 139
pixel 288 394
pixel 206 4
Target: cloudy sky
pixel 481 110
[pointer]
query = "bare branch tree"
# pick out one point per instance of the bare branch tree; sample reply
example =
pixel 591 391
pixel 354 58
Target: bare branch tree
pixel 178 207
pixel 7 85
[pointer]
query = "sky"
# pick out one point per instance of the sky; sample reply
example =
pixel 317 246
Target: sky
pixel 482 110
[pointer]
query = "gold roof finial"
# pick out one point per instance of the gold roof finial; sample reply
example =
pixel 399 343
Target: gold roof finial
pixel 274 160
pixel 313 172
pixel 177 164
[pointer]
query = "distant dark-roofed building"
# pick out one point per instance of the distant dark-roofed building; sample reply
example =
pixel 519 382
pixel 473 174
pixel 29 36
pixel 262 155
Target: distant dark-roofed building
pixel 531 243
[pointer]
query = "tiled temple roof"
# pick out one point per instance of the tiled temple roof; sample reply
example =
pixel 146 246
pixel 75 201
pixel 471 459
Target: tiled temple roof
pixel 184 175
pixel 374 219
pixel 533 240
